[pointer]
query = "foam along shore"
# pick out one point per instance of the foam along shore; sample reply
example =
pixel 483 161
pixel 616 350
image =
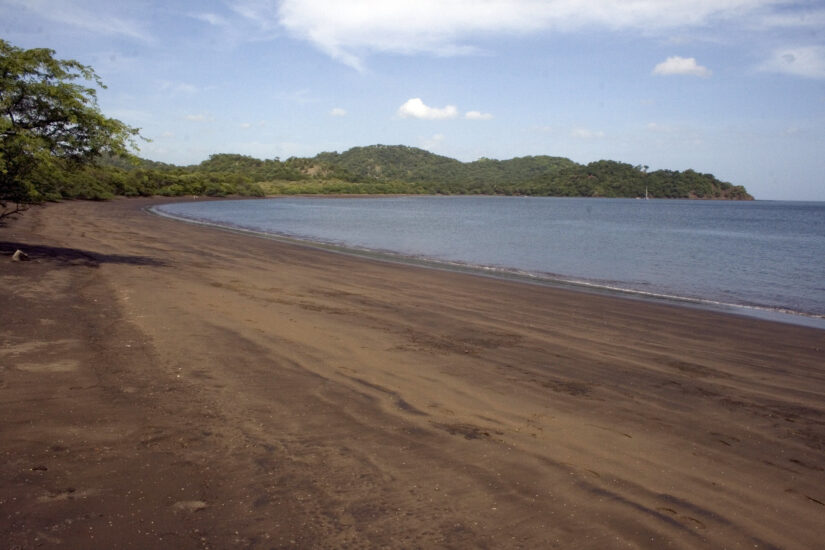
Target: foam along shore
pixel 171 384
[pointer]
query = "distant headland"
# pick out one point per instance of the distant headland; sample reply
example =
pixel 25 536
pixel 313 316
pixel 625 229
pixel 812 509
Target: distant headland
pixel 385 169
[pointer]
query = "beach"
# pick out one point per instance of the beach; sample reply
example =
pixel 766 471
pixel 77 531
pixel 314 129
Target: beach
pixel 164 384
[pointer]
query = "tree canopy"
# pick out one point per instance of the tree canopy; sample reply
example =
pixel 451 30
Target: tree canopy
pixel 49 123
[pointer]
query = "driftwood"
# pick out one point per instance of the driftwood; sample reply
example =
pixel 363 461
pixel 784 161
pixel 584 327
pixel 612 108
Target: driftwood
pixel 19 256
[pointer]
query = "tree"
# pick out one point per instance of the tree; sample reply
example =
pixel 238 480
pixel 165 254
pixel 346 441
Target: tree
pixel 49 120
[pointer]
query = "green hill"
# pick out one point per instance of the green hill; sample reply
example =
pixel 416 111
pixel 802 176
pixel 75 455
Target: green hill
pixel 437 173
pixel 393 163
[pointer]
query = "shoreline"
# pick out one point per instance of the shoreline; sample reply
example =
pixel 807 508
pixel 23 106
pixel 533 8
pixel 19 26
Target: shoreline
pixel 172 385
pixel 775 314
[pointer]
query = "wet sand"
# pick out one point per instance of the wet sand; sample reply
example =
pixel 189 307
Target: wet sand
pixel 170 385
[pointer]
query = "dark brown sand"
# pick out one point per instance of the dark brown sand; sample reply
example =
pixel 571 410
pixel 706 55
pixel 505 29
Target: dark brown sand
pixel 164 385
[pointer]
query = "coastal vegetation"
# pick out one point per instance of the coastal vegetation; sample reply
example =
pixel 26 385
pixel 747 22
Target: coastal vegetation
pixel 376 169
pixel 50 128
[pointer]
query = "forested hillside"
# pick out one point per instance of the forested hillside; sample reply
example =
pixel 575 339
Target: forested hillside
pixel 539 175
pixel 378 169
pixel 438 174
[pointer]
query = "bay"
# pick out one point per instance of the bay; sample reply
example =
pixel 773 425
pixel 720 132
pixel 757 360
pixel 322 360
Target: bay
pixel 760 257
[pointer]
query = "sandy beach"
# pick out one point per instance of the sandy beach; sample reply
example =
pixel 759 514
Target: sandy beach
pixel 167 385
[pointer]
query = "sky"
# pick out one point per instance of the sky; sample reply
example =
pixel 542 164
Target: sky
pixel 735 88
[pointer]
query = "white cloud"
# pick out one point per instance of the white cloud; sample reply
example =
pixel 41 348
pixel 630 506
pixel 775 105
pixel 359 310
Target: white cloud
pixel 477 115
pixel 807 61
pixel 681 66
pixel 245 125
pixel 584 133
pixel 338 111
pixel 350 30
pixel 415 108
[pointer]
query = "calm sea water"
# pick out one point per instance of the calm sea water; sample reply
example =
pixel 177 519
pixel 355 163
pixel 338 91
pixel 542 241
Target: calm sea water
pixel 760 256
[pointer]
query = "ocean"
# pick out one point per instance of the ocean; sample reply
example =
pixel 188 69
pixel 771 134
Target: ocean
pixel 761 258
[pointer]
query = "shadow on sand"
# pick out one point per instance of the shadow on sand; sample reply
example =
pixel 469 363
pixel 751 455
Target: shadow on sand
pixel 74 256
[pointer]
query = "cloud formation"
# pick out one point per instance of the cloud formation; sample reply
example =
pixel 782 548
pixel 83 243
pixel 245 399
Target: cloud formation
pixel 807 62
pixel 338 111
pixel 477 115
pixel 415 108
pixel 348 31
pixel 681 66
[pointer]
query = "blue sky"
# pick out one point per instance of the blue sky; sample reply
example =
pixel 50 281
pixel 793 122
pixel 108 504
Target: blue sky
pixel 731 87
